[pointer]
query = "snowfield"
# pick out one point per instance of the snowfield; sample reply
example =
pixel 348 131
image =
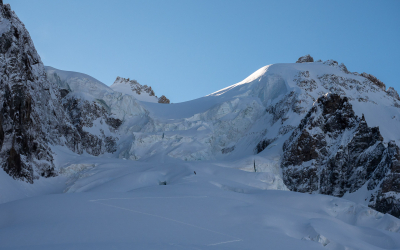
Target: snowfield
pixel 108 203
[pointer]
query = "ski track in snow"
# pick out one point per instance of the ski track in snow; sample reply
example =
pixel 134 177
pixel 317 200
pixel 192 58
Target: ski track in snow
pixel 224 242
pixel 161 197
pixel 236 239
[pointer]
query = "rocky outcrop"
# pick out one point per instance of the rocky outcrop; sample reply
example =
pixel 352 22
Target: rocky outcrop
pixel 333 151
pixel 163 99
pixel 140 92
pixel 306 58
pixel 374 80
pixel 29 108
pixel 84 114
pixel 263 145
pixel 304 81
pixel 31 113
pixel 393 93
pixel 280 110
pixel 135 86
pixel 385 182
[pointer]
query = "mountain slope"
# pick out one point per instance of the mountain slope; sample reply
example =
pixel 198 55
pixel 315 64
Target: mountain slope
pixel 268 114
pixel 33 116
pixel 30 112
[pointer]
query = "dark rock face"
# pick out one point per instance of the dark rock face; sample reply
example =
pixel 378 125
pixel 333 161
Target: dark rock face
pixel 263 145
pixel 385 181
pixel 227 150
pixel 32 117
pixel 113 122
pixel 63 93
pixel 333 151
pixel 26 105
pixel 306 58
pixel 82 114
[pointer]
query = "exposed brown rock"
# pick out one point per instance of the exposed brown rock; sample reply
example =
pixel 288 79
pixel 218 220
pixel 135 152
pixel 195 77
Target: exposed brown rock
pixel 163 99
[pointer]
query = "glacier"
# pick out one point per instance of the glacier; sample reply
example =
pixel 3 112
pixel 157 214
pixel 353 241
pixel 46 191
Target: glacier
pixel 88 166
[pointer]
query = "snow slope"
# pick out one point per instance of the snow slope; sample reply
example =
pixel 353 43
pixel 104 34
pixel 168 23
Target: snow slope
pixel 85 87
pixel 77 82
pixel 120 204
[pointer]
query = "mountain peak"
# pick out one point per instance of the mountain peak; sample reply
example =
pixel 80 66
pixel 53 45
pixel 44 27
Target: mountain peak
pixel 134 88
pixel 306 58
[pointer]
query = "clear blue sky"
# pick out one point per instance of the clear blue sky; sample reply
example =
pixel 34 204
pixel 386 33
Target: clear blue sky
pixel 186 49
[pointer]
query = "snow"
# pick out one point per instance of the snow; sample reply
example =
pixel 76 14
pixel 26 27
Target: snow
pixel 119 200
pixel 223 112
pixel 85 87
pixel 79 82
pixel 118 204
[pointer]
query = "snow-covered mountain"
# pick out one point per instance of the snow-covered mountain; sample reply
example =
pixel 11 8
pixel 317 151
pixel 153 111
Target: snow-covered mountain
pixel 229 158
pixel 315 126
pixel 33 116
pixel 140 92
pixel 329 130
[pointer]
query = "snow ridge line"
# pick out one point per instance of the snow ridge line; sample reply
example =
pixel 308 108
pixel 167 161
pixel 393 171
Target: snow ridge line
pixel 177 221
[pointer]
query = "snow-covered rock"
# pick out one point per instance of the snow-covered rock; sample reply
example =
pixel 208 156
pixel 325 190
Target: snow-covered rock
pixel 140 92
pixel 306 58
pixel 32 116
pixel 393 93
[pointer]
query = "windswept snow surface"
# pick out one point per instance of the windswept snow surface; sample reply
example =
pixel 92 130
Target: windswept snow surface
pixel 119 204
